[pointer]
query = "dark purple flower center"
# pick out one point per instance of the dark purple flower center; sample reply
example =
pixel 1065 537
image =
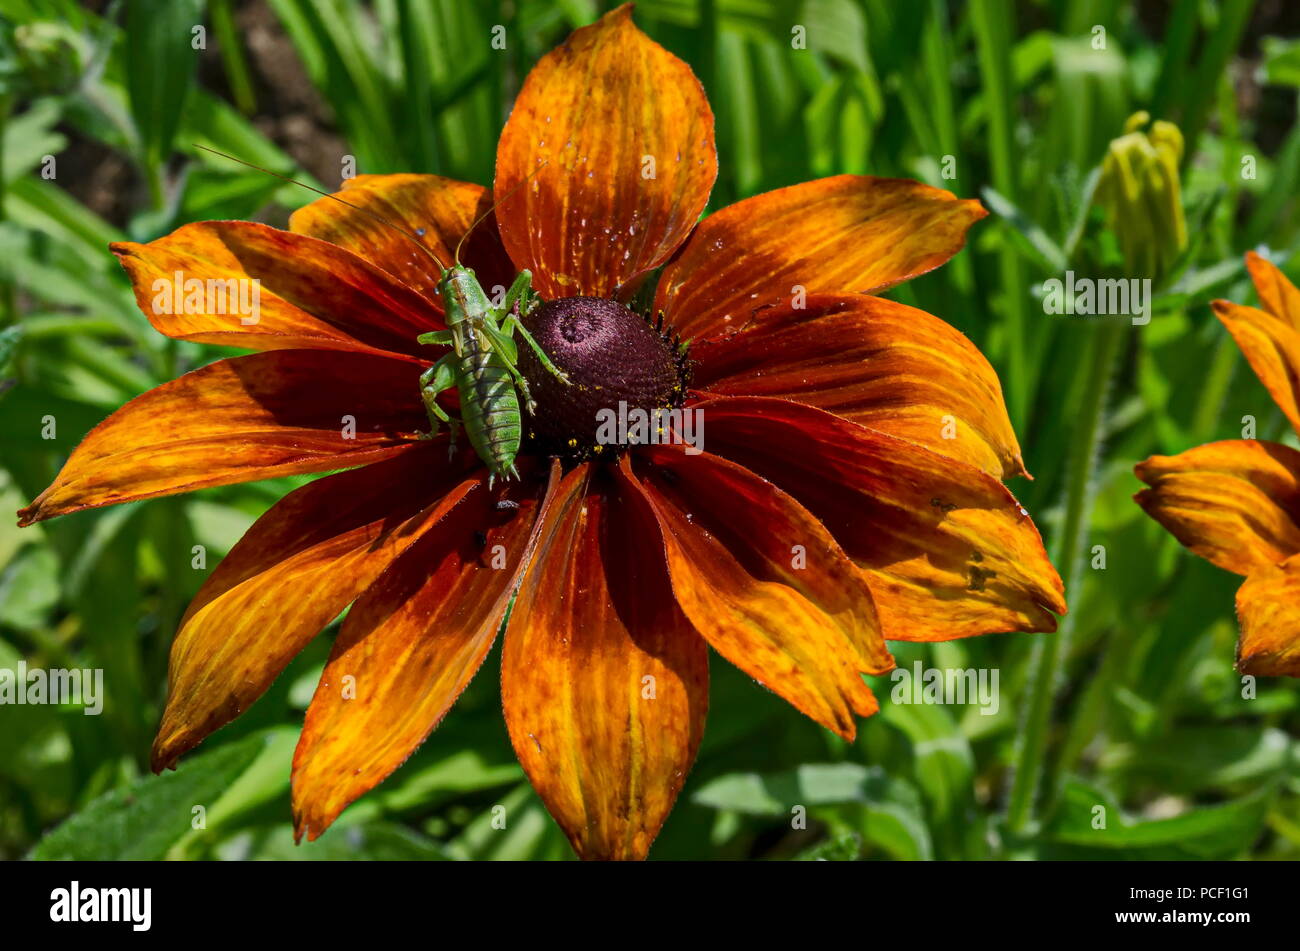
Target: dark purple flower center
pixel 614 358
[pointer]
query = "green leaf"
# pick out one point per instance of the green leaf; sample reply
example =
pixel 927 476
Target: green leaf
pixel 883 810
pixel 839 29
pixel 1206 757
pixel 160 66
pixel 775 794
pixel 29 588
pixel 1281 63
pixel 943 761
pixel 516 827
pixel 371 842
pixel 1211 832
pixel 844 847
pixel 1028 236
pixel 142 821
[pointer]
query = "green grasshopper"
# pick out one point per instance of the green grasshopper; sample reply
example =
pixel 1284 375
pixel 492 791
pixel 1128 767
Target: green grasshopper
pixel 483 363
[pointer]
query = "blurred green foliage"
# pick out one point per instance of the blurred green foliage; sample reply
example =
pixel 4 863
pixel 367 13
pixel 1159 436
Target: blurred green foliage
pixel 100 107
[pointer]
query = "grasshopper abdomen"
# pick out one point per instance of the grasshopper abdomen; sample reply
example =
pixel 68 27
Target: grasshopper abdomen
pixel 489 408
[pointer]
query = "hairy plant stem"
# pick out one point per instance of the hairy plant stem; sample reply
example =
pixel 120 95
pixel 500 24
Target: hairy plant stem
pixel 8 299
pixel 1068 555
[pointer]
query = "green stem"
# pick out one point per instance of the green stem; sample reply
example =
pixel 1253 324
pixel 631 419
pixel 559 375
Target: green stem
pixel 992 28
pixel 1049 649
pixel 238 74
pixel 8 300
pixel 1215 391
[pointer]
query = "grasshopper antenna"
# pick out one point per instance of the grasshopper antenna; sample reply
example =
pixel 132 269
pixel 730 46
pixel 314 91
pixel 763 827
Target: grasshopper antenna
pixel 496 204
pixel 365 211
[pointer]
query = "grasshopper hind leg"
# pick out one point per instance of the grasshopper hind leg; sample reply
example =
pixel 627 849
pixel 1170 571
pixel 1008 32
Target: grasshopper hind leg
pixel 529 402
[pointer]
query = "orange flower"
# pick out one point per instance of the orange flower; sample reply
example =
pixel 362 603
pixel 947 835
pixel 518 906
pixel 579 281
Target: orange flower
pixel 1236 503
pixel 828 513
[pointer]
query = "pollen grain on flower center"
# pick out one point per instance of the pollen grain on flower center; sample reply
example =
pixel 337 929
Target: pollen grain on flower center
pixel 612 356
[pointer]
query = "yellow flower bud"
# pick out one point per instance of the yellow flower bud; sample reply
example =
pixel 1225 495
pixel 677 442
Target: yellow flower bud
pixel 1140 193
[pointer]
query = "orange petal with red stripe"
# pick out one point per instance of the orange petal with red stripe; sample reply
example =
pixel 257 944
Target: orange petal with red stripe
pixel 834 235
pixel 1276 292
pixel 946 549
pixel 1272 348
pixel 1235 503
pixel 614 138
pixel 238 420
pixel 1268 608
pixel 434 211
pixel 604 681
pixel 408 648
pixel 243 284
pixel 765 584
pixel 290 575
pixel 887 366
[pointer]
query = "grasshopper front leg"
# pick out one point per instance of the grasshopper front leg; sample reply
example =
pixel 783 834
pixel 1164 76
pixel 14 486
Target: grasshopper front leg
pixel 441 376
pixel 519 297
pixel 440 338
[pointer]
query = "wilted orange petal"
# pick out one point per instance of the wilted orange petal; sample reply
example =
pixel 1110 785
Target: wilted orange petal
pixel 436 210
pixel 1278 295
pixel 1235 503
pixel 1272 348
pixel 291 574
pixel 1268 608
pixel 309 293
pixel 238 420
pixel 885 365
pixel 765 584
pixel 834 235
pixel 408 648
pixel 947 550
pixel 604 681
pixel 627 137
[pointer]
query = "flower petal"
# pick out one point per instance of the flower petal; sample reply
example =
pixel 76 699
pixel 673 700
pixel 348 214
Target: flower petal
pixel 947 550
pixel 291 574
pixel 1272 348
pixel 238 420
pixel 1268 608
pixel 833 235
pixel 1276 292
pixel 604 681
pixel 887 366
pixel 626 135
pixel 408 648
pixel 765 584
pixel 1235 503
pixel 436 210
pixel 306 292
